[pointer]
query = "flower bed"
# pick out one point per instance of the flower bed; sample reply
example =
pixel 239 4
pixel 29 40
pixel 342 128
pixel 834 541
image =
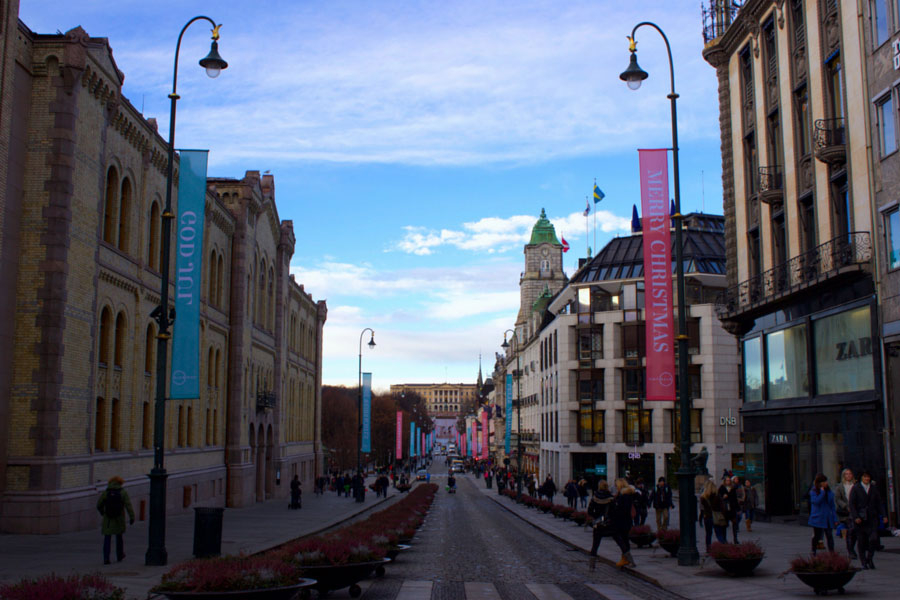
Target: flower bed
pixel 544 505
pixel 563 512
pixel 734 551
pixel 641 536
pixel 669 540
pixel 582 518
pixel 228 574
pixel 824 562
pixel 55 587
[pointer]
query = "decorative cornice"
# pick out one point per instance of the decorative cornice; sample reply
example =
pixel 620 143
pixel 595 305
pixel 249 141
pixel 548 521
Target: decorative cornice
pixel 118 281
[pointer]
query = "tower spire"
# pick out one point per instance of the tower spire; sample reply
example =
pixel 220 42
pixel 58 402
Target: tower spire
pixel 480 379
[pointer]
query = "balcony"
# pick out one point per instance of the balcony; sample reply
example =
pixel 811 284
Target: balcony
pixel 831 141
pixel 265 400
pixel 771 185
pixel 842 255
pixel 718 18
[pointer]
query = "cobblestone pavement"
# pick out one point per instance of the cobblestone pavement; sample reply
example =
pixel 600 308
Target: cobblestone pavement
pixel 470 548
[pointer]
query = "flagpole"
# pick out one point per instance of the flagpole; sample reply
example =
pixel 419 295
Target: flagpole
pixel 595 213
pixel 587 235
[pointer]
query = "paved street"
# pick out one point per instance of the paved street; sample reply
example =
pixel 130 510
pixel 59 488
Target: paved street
pixel 470 548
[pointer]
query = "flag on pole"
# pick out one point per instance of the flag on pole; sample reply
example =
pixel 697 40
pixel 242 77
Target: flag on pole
pixel 565 245
pixel 598 194
pixel 587 207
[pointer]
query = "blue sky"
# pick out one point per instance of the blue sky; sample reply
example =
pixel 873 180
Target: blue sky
pixel 414 144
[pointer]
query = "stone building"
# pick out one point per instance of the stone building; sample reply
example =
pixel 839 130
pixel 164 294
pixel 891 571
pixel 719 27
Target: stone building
pixel 807 143
pixel 82 195
pixel 442 399
pixel 584 410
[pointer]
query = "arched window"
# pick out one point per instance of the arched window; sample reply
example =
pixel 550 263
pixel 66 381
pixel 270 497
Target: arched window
pixel 210 376
pixel 218 372
pixel 213 266
pixel 220 281
pixel 125 216
pixel 147 426
pixel 119 356
pixel 149 348
pixel 105 332
pixel 114 427
pixel 261 293
pixel 209 428
pixel 153 246
pixel 100 425
pixel 110 207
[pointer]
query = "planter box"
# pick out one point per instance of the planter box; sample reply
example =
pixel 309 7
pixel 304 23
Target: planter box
pixel 822 583
pixel 643 540
pixel 335 577
pixel 740 567
pixel 670 547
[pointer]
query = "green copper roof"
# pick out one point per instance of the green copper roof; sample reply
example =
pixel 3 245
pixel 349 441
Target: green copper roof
pixel 543 300
pixel 543 231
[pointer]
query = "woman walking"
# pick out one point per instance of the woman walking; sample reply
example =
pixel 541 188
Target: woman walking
pixel 711 513
pixel 621 520
pixel 842 506
pixel 748 499
pixel 822 515
pixel 598 509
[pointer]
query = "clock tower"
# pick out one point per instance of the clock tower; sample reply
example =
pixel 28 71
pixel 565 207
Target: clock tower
pixel 543 268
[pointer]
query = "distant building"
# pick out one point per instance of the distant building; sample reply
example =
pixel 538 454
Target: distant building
pixel 442 399
pixel 808 120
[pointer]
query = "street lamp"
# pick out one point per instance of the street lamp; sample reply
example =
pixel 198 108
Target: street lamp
pixel 687 553
pixel 371 344
pixel 156 550
pixel 505 346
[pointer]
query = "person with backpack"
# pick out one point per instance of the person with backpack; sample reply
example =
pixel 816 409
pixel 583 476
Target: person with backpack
pixel 112 505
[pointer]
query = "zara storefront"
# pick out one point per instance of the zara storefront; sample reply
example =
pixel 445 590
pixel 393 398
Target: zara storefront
pixel 812 396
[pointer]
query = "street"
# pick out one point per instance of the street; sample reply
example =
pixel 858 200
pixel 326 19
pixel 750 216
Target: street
pixel 471 548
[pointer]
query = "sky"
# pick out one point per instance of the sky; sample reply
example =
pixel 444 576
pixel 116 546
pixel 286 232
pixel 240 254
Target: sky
pixel 414 144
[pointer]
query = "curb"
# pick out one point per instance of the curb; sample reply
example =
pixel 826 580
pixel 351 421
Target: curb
pixel 603 559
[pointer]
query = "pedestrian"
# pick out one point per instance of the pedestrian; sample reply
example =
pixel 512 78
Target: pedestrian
pixel 661 499
pixel 730 508
pixel 571 493
pixel 549 488
pixel 295 493
pixel 531 484
pixel 583 492
pixel 711 514
pixel 822 516
pixel 748 500
pixel 112 505
pixel 598 510
pixel 842 509
pixel 641 500
pixel 866 510
pixel 621 519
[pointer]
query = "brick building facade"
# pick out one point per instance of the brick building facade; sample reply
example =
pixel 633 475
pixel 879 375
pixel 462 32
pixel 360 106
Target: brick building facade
pixel 81 192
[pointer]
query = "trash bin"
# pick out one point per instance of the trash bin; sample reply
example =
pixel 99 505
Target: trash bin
pixel 207 531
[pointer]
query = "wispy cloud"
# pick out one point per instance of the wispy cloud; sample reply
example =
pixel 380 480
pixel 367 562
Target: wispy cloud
pixel 497 234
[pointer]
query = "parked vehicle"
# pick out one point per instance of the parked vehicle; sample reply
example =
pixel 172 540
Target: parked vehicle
pixel 421 475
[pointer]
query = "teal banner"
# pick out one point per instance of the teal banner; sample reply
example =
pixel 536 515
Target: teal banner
pixel 412 440
pixel 188 275
pixel 367 412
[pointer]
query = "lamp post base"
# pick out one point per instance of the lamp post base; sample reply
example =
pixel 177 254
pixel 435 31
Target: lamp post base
pixel 156 550
pixel 687 517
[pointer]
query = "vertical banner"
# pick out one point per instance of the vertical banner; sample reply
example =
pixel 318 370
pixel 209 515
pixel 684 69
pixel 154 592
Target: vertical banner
pixel 660 331
pixel 185 381
pixel 484 435
pixel 422 450
pixel 399 435
pixel 366 412
pixel 508 413
pixel 463 438
pixel 412 440
pixel 469 439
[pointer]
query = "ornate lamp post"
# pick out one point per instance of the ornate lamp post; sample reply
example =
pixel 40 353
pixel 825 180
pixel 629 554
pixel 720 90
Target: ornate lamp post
pixel 505 346
pixel 371 344
pixel 156 550
pixel 687 510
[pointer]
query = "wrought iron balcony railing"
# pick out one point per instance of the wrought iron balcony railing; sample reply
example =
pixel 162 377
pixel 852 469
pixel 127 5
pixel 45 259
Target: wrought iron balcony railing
pixel 718 17
pixel 831 140
pixel 802 271
pixel 771 184
pixel 265 400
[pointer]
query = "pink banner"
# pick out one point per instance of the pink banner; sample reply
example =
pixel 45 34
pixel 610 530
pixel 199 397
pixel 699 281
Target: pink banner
pixel 399 435
pixel 484 435
pixel 464 438
pixel 660 331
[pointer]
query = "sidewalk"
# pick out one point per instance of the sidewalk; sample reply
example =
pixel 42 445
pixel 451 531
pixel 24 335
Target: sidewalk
pixel 782 543
pixel 248 530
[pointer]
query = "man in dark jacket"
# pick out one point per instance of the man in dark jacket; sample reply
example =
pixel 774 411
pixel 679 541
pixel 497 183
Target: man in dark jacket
pixel 866 509
pixel 295 492
pixel 731 508
pixel 549 488
pixel 661 500
pixel 113 504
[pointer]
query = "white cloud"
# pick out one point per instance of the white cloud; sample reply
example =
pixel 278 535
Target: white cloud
pixel 496 234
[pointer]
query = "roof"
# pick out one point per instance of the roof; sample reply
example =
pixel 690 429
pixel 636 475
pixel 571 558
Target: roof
pixel 543 232
pixel 623 258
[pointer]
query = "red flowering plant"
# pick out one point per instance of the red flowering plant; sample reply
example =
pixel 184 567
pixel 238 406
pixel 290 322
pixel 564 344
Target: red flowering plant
pixel 639 530
pixel 563 512
pixel 318 551
pixel 669 536
pixel 736 551
pixel 581 518
pixel 824 562
pixel 229 573
pixel 55 587
pixel 544 505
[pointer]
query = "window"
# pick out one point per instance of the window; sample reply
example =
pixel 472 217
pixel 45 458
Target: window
pixel 125 216
pixel 637 425
pixel 753 370
pixel 885 115
pixel 153 247
pixel 788 372
pixel 840 205
pixel 696 425
pixel 751 165
pixel 633 340
pixel 590 346
pixel 879 16
pixel 892 235
pixel 803 117
pixel 835 87
pixel 109 206
pixel 105 333
pixel 100 425
pixel 584 305
pixel 119 345
pixel 115 424
pixel 844 353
